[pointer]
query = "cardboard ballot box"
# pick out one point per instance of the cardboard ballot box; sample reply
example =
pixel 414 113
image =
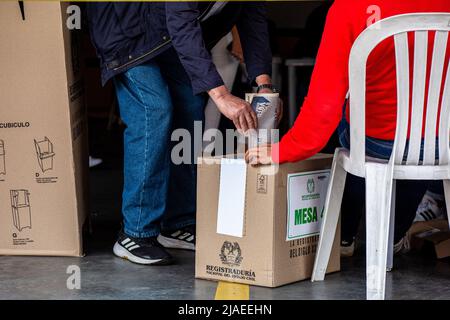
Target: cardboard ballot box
pixel 435 233
pixel 260 225
pixel 43 154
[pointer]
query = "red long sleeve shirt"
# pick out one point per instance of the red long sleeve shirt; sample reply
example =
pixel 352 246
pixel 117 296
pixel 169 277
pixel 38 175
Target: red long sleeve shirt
pixel 322 109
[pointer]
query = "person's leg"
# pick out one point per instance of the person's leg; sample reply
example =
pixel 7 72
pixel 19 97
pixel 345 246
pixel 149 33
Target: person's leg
pixel 409 195
pixel 352 208
pixel 436 188
pixel 146 109
pixel 188 108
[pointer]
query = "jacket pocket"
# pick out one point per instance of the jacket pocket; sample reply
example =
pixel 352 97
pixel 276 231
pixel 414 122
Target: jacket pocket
pixel 130 18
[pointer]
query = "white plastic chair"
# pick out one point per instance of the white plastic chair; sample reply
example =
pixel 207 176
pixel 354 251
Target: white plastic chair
pixel 380 175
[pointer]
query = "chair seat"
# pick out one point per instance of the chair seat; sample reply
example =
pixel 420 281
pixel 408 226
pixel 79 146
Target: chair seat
pixel 401 172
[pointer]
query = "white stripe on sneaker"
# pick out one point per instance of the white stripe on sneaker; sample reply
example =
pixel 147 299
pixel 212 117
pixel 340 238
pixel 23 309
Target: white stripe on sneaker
pixel 175 243
pixel 133 247
pixel 130 244
pixel 125 254
pixel 190 239
pixel 184 235
pixel 124 242
pixel 176 234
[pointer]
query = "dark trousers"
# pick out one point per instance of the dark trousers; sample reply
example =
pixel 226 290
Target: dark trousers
pixel 408 197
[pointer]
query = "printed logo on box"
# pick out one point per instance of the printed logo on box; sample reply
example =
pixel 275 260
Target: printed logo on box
pixel 261 183
pixel 230 254
pixel 306 198
pixel 310 186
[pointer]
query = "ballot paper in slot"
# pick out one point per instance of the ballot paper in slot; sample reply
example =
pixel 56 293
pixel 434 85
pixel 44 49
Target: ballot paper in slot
pixel 231 208
pixel 265 106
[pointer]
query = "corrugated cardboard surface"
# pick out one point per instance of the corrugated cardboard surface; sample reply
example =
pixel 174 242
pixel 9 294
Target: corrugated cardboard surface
pixel 40 101
pixel 289 254
pixel 435 232
pixel 263 256
pixel 255 248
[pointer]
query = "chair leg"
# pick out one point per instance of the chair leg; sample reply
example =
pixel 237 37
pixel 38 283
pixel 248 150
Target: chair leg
pixel 390 258
pixel 447 198
pixel 378 205
pixel 330 219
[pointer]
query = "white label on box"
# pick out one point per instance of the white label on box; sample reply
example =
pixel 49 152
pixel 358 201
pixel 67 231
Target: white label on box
pixel 306 198
pixel 230 213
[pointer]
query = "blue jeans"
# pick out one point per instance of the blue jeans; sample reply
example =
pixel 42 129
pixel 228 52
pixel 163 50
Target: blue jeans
pixel 408 194
pixel 154 99
pixel 382 149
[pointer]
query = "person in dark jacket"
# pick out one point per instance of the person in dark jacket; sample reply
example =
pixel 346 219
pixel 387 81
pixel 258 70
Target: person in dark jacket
pixel 158 56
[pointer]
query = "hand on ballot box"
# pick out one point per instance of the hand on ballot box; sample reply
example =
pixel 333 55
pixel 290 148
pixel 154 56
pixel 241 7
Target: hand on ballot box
pixel 260 155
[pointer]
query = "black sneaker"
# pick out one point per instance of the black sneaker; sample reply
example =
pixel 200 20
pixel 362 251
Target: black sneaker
pixel 179 239
pixel 141 250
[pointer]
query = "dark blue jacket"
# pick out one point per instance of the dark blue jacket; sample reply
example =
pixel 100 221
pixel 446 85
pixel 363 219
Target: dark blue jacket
pixel 128 34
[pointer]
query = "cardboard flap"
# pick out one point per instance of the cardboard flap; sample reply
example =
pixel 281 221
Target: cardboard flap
pixel 231 207
pixel 442 249
pixel 423 226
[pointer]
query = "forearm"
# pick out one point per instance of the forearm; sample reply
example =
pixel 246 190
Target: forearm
pixel 310 133
pixel 187 40
pixel 322 109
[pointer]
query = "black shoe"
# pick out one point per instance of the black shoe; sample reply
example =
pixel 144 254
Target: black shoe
pixel 179 239
pixel 141 250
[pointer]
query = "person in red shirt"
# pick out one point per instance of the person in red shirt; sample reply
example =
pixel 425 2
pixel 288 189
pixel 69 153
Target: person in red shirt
pixel 322 110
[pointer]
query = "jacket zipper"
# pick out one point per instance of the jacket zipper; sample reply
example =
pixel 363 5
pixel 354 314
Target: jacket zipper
pixel 142 56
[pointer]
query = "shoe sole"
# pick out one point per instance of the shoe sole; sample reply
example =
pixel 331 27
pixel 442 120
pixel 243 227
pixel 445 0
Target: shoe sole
pixel 170 243
pixel 123 253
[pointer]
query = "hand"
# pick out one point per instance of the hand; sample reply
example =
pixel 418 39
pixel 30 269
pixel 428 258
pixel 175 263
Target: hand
pixel 259 155
pixel 235 109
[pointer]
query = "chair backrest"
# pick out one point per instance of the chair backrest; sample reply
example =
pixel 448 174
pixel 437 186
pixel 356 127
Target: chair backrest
pixel 399 27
